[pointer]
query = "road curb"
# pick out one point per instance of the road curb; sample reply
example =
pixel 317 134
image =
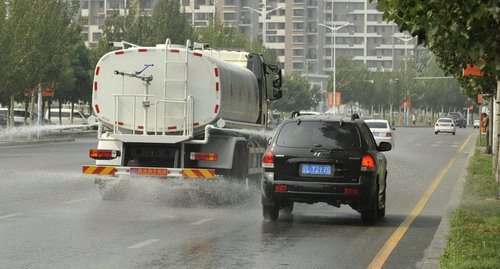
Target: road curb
pixel 440 241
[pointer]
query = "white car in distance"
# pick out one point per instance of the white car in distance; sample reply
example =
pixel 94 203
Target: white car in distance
pixel 382 131
pixel 445 125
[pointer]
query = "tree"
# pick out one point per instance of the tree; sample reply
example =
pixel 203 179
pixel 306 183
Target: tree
pixel 36 35
pixel 458 32
pixel 297 94
pixel 222 37
pixel 168 22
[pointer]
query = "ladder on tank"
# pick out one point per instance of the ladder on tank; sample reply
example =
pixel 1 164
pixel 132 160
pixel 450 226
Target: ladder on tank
pixel 173 82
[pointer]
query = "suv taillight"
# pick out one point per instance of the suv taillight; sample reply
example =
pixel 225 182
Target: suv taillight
pixel 104 154
pixel 268 160
pixel 367 163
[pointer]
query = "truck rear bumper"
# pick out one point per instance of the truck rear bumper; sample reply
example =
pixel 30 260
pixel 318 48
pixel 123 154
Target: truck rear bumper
pixel 148 171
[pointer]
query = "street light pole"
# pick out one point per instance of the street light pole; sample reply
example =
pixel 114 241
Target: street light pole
pixel 264 14
pixel 334 32
pixel 405 39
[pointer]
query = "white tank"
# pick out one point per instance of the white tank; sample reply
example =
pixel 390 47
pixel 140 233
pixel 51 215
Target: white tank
pixel 219 89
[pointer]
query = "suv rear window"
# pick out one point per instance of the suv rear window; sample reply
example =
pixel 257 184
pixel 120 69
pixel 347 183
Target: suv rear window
pixel 329 135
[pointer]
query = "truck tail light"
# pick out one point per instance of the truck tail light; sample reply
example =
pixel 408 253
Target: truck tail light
pixel 437 124
pixel 389 134
pixel 203 156
pixel 104 154
pixel 367 163
pixel 268 159
pixel 452 125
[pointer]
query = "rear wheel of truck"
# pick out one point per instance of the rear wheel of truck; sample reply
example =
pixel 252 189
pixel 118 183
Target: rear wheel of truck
pixel 239 169
pixel 115 191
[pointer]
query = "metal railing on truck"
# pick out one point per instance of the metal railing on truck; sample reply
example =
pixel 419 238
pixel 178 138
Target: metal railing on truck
pixel 151 100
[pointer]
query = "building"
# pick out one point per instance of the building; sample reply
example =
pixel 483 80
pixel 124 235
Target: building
pixel 291 28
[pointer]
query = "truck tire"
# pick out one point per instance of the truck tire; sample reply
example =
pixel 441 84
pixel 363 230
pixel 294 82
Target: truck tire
pixel 113 192
pixel 369 214
pixel 239 169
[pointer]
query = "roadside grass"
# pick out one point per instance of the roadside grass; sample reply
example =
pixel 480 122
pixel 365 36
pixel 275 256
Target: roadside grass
pixel 474 240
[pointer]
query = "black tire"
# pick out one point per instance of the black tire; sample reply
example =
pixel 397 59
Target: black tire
pixel 270 212
pixel 453 133
pixel 239 169
pixel 113 192
pixel 382 206
pixel 436 132
pixel 369 214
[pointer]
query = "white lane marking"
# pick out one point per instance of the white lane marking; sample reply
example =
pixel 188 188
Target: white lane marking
pixel 145 243
pixel 74 201
pixel 201 221
pixel 454 146
pixel 10 215
pixel 418 145
pixel 434 145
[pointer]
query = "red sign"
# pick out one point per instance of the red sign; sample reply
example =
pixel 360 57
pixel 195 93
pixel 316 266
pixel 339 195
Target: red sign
pixel 483 123
pixel 330 99
pixel 479 98
pixel 468 108
pixel 337 99
pixel 408 103
pixel 472 70
pixel 46 92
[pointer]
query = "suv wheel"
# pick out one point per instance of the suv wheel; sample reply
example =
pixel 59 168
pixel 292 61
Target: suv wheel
pixel 289 208
pixel 270 212
pixel 369 213
pixel 382 205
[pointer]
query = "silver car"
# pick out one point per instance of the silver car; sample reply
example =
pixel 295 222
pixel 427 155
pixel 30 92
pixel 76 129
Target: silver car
pixel 445 125
pixel 381 131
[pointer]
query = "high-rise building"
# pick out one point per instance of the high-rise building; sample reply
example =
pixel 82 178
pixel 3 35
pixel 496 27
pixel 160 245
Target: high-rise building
pixel 291 28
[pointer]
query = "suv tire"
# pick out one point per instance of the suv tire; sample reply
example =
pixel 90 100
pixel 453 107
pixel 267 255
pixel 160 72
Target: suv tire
pixel 270 212
pixel 369 214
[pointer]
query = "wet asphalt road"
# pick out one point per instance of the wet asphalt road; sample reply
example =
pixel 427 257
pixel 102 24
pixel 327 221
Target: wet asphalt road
pixel 51 216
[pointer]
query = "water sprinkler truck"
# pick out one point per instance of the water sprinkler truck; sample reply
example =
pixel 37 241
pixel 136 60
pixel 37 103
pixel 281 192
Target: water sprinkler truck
pixel 180 111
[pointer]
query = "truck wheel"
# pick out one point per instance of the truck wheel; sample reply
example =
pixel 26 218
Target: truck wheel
pixel 113 191
pixel 369 213
pixel 240 162
pixel 270 212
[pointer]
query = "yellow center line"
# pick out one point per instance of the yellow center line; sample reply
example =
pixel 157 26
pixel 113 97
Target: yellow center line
pixel 393 241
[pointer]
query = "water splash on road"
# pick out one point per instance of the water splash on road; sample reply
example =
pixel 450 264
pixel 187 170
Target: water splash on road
pixel 24 131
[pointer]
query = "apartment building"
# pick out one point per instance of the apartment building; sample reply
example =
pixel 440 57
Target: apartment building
pixel 292 29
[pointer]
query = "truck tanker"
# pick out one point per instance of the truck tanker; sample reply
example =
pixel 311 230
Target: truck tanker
pixel 176 111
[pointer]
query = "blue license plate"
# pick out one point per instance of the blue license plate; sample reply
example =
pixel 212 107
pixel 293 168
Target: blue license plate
pixel 315 169
pixel 376 133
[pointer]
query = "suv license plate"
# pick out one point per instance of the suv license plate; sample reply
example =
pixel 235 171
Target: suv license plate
pixel 376 133
pixel 315 170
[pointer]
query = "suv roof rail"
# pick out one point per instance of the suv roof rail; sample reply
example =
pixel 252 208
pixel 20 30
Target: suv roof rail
pixel 294 114
pixel 354 117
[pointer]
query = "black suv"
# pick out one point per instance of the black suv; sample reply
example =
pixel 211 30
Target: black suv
pixel 324 158
pixel 458 118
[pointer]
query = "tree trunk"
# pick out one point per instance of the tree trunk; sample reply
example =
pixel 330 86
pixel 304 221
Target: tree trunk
pixel 71 115
pixel 496 132
pixel 11 117
pixel 32 111
pixel 60 118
